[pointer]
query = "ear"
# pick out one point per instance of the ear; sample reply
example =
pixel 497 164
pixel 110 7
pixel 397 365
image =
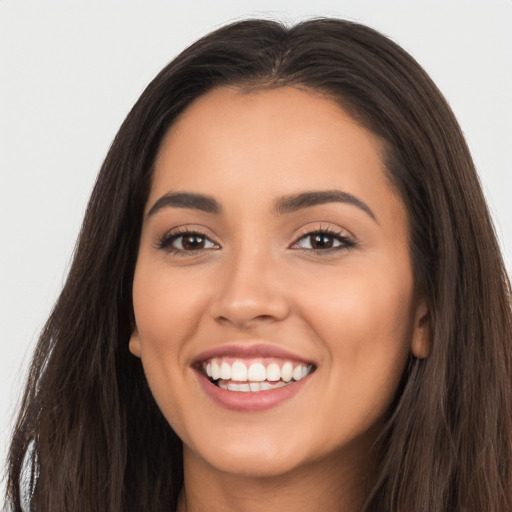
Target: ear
pixel 421 338
pixel 134 343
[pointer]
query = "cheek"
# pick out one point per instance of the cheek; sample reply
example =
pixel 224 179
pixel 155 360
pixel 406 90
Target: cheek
pixel 167 306
pixel 364 320
pixel 167 313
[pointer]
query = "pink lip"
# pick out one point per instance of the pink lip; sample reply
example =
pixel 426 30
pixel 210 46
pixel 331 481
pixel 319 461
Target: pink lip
pixel 250 401
pixel 247 351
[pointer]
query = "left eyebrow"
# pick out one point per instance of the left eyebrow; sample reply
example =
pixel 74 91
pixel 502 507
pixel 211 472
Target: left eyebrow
pixel 289 204
pixel 186 200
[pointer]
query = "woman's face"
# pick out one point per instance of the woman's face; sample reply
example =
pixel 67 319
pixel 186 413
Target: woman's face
pixel 274 255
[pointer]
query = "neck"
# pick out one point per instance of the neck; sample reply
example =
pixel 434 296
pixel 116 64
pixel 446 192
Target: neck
pixel 326 485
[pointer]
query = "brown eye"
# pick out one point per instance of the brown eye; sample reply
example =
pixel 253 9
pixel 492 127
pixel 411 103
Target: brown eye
pixel 186 242
pixel 192 242
pixel 321 241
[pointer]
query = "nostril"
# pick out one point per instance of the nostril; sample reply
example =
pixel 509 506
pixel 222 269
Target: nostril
pixel 242 322
pixel 265 317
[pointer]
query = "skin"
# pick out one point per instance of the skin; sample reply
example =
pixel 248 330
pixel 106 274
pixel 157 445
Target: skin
pixel 353 311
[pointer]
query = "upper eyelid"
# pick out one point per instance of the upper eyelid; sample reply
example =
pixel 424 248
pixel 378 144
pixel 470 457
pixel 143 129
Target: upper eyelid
pixel 322 228
pixel 184 230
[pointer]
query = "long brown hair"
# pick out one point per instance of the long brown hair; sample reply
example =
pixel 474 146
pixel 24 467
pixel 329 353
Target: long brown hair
pixel 90 437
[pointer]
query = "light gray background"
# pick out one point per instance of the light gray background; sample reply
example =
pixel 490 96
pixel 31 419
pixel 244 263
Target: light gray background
pixel 70 71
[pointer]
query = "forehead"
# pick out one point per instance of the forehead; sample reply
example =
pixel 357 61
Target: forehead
pixel 267 143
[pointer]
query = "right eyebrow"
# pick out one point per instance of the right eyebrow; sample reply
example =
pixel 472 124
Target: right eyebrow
pixel 186 200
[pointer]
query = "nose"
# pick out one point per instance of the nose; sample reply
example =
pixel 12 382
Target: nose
pixel 250 292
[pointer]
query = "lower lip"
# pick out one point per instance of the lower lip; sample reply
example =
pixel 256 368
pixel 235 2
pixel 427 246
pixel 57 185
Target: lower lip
pixel 250 401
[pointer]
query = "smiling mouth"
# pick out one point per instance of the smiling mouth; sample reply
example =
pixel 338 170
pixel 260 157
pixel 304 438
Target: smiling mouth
pixel 256 375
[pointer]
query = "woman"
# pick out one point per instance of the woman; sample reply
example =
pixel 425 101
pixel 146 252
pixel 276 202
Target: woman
pixel 287 295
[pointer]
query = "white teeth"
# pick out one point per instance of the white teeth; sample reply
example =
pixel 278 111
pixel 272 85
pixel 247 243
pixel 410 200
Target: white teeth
pixel 273 372
pixel 305 370
pixel 239 371
pixel 287 371
pixel 297 372
pixel 225 371
pixel 215 370
pixel 257 372
pixel 265 386
pixel 250 386
pixel 239 387
pixel 255 386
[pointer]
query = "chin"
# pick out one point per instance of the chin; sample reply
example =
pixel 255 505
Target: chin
pixel 249 456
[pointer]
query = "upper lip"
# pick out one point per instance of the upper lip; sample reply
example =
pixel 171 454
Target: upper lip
pixel 249 351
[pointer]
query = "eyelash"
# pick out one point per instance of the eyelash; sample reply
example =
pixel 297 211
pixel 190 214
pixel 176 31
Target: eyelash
pixel 346 243
pixel 168 239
